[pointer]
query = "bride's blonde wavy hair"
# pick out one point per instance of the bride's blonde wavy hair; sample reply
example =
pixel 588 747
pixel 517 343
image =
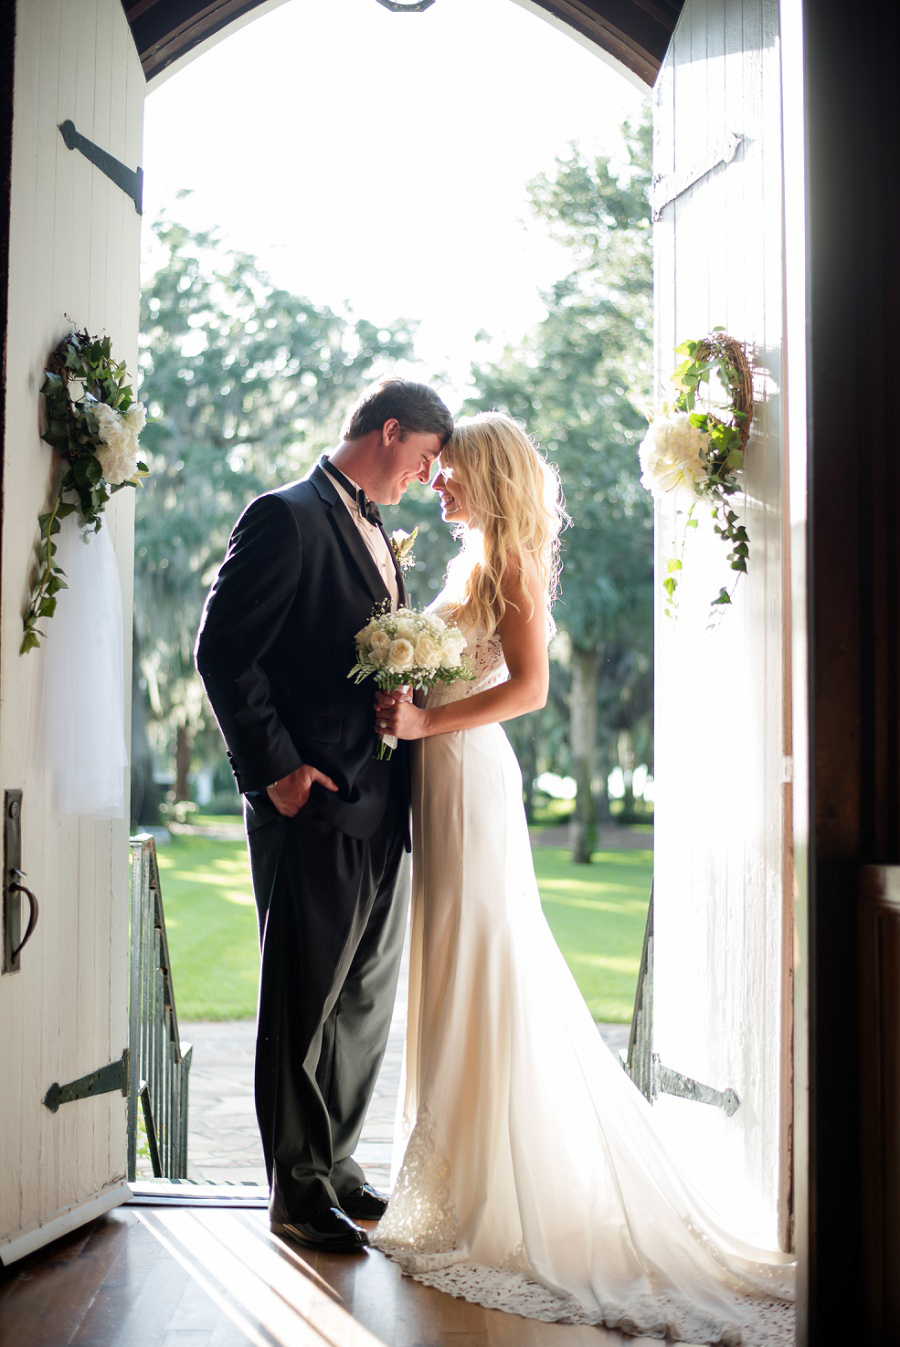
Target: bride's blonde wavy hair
pixel 515 510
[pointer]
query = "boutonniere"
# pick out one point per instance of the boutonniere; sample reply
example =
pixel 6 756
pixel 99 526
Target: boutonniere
pixel 402 544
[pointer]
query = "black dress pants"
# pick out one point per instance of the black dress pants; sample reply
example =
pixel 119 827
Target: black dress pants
pixel 332 914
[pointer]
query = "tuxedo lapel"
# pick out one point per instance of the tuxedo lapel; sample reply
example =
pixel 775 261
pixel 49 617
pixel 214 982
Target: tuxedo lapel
pixel 342 520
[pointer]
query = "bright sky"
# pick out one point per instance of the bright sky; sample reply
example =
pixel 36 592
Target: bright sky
pixel 380 160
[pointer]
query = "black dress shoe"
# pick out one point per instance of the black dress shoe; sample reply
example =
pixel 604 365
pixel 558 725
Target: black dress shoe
pixel 331 1231
pixel 365 1203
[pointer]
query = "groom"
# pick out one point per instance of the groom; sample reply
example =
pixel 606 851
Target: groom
pixel 327 825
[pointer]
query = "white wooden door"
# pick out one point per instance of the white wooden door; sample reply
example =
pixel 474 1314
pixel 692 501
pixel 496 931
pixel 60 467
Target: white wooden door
pixel 74 250
pixel 723 872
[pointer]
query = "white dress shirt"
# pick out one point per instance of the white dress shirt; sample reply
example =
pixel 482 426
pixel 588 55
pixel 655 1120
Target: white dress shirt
pixel 374 540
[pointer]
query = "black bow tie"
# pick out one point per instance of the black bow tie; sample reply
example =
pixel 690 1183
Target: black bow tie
pixel 367 508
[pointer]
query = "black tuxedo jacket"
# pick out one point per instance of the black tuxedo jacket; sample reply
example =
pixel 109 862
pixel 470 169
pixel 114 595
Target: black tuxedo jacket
pixel 275 646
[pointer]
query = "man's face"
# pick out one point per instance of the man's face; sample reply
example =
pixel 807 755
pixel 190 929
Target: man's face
pixel 405 460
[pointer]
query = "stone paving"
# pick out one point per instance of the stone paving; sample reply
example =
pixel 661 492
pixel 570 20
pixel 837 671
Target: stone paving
pixel 223 1144
pixel 223 1141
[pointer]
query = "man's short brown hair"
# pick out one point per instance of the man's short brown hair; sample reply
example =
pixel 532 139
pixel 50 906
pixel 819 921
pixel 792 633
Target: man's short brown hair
pixel 416 406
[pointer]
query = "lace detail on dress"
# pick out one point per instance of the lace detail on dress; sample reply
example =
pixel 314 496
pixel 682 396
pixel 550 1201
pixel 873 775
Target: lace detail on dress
pixel 486 653
pixel 764 1324
pixel 419 1217
pixel 420 1233
pixel 772 1280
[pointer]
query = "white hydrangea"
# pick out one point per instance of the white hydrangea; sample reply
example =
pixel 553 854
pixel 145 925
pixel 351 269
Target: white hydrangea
pixel 119 432
pixel 118 462
pixel 673 456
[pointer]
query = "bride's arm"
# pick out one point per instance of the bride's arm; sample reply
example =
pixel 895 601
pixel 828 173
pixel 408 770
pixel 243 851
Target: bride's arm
pixel 523 635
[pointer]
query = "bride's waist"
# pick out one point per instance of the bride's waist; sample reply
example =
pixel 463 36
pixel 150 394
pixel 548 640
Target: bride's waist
pixel 480 739
pixel 444 693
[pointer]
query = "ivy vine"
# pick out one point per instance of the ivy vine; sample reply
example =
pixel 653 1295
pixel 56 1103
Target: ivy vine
pixel 727 429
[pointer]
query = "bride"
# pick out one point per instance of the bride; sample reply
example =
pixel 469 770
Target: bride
pixel 533 1179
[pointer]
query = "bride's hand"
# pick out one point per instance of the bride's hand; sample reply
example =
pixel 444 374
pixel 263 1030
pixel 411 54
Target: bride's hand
pixel 401 718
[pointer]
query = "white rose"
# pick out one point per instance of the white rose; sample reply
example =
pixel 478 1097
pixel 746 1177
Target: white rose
pixel 405 629
pixel 136 417
pixel 363 637
pixel 401 656
pixel 672 456
pixel 428 652
pixel 452 647
pixel 379 647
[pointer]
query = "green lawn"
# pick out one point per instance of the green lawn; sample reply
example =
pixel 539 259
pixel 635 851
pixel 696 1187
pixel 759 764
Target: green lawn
pixel 596 912
pixel 597 915
pixel 211 925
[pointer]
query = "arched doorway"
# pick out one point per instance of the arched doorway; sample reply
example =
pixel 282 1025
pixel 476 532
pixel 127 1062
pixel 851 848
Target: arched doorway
pixel 851 670
pixel 116 223
pixel 750 871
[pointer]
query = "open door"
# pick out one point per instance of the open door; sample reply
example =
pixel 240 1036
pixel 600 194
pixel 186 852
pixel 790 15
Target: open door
pixel 723 870
pixel 75 244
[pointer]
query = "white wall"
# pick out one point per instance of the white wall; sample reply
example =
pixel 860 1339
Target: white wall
pixel 75 248
pixel 723 867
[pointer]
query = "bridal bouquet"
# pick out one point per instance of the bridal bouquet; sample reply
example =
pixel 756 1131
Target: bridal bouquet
pixel 409 649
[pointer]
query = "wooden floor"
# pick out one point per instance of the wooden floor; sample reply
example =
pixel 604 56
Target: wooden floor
pixel 188 1277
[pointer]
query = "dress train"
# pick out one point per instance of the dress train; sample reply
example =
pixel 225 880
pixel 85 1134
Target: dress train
pixel 533 1178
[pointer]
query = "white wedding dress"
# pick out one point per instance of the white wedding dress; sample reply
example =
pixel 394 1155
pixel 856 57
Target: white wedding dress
pixel 533 1179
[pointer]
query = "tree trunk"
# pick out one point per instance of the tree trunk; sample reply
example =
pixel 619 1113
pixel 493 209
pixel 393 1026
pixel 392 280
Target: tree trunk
pixel 626 762
pixel 183 752
pixel 602 811
pixel 583 731
pixel 523 734
pixel 529 760
pixel 144 801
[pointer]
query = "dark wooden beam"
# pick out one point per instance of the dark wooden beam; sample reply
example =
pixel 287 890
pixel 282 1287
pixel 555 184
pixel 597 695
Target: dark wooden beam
pixel 635 32
pixel 165 30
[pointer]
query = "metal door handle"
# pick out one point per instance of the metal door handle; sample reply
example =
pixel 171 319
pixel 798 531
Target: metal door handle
pixel 15 887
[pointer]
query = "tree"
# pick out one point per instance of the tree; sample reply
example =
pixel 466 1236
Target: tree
pixel 245 384
pixel 580 382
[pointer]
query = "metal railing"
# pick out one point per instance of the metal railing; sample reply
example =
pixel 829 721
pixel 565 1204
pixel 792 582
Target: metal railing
pixel 639 1058
pixel 650 1075
pixel 160 1062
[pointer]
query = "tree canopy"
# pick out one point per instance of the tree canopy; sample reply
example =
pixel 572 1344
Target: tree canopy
pixel 580 382
pixel 245 385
